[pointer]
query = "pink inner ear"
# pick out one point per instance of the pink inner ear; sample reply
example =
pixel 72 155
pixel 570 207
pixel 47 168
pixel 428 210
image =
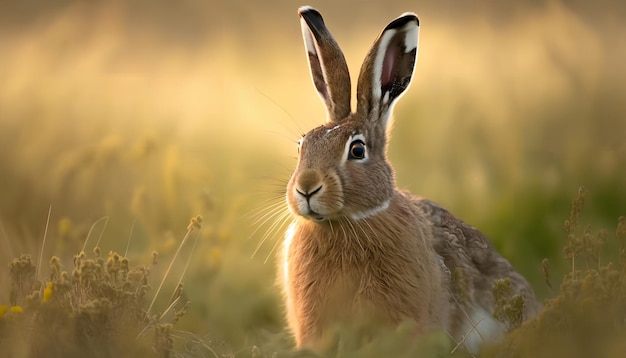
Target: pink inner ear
pixel 389 62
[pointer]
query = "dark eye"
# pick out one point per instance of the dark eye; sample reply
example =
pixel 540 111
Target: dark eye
pixel 357 150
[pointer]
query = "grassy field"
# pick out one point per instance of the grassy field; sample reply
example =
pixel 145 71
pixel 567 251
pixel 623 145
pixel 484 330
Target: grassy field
pixel 122 121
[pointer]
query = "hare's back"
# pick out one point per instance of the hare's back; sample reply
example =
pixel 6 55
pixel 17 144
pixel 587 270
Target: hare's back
pixel 474 265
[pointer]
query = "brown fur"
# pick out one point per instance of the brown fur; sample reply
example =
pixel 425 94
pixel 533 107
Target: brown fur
pixel 382 268
pixel 464 248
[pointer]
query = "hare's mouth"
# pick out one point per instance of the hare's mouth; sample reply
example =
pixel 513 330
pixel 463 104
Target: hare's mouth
pixel 314 216
pixel 311 214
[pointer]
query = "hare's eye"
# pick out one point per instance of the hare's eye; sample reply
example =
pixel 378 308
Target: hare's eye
pixel 357 150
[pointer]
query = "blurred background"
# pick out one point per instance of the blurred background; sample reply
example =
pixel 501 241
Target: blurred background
pixel 146 113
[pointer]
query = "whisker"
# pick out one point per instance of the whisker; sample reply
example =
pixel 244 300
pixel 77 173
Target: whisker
pixel 283 221
pixel 357 225
pixel 279 218
pixel 371 229
pixel 281 135
pixel 356 235
pixel 274 187
pixel 266 217
pixel 258 213
pixel 278 185
pixel 268 233
pixel 330 223
pixel 268 196
pixel 281 108
pixel 273 178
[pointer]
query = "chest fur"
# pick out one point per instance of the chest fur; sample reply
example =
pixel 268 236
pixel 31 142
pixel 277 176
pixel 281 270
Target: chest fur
pixel 344 273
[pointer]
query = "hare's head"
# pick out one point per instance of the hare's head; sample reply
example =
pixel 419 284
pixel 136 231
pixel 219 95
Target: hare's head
pixel 342 170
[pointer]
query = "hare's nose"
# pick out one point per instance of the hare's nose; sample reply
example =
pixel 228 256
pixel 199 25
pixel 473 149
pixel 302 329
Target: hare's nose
pixel 309 194
pixel 309 183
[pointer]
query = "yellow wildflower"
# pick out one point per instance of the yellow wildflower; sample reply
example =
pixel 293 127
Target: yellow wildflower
pixel 16 309
pixel 47 292
pixel 3 310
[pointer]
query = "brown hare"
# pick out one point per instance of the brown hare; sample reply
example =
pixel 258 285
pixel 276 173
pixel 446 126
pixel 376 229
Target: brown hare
pixel 359 249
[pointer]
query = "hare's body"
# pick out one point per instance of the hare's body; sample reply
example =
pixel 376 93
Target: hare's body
pixel 378 270
pixel 361 252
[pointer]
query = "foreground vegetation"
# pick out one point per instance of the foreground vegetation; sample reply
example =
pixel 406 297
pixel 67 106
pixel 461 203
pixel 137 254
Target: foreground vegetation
pixel 100 308
pixel 587 315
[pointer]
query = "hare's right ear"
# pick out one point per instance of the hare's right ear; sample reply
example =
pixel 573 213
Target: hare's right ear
pixel 328 66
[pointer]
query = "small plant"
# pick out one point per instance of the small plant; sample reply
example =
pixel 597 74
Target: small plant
pixel 587 317
pixel 22 276
pixel 509 308
pixel 96 309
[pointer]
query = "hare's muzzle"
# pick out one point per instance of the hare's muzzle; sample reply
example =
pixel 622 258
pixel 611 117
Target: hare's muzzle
pixel 304 195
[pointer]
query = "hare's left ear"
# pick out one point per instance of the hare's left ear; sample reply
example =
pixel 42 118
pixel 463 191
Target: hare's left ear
pixel 388 68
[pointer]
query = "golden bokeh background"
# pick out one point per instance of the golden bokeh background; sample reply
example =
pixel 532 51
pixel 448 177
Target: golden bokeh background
pixel 147 113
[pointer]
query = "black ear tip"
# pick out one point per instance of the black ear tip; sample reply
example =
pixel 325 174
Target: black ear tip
pixel 403 20
pixel 313 19
pixel 308 11
pixel 416 19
